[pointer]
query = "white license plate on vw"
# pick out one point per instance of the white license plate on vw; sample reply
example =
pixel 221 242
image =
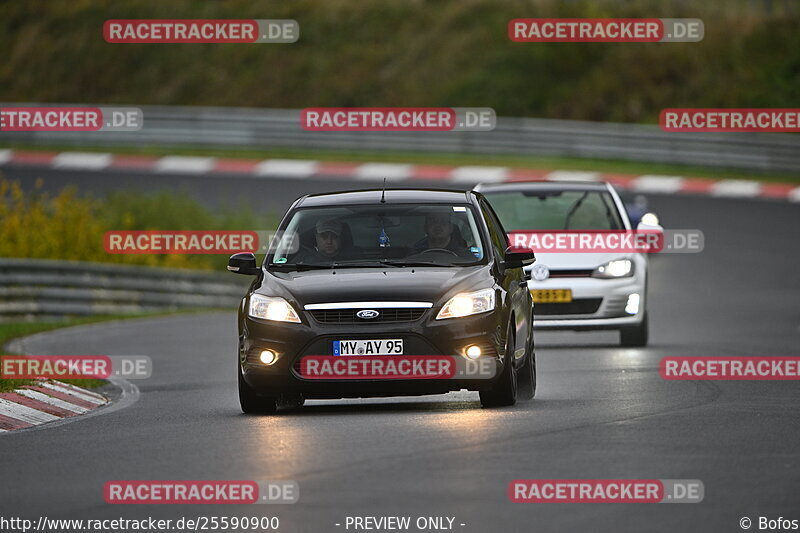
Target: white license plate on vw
pixel 368 347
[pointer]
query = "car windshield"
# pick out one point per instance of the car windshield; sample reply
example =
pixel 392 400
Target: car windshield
pixel 379 236
pixel 555 210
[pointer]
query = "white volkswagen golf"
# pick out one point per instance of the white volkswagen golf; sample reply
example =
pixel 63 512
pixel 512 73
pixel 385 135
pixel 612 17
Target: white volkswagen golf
pixel 577 290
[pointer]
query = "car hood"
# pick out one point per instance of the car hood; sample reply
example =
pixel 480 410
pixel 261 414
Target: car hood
pixel 418 284
pixel 578 261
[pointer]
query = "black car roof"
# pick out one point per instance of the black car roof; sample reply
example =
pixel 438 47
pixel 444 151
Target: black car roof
pixel 393 196
pixel 521 186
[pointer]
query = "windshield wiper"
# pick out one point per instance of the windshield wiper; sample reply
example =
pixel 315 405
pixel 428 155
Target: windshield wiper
pixel 356 263
pixel 328 266
pixel 301 266
pixel 574 208
pixel 402 263
pixel 612 222
pixel 361 263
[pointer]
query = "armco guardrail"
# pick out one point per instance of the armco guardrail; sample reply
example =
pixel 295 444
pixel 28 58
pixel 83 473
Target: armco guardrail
pixel 43 287
pixel 217 127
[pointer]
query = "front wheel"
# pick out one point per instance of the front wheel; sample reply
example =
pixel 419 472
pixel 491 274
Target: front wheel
pixel 526 388
pixel 251 402
pixel 504 392
pixel 635 336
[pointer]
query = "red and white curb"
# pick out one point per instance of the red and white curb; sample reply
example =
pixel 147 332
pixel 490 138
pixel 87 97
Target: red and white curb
pixel 393 172
pixel 43 402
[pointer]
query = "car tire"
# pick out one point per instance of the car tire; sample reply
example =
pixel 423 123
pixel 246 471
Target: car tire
pixel 252 403
pixel 635 336
pixel 504 392
pixel 526 375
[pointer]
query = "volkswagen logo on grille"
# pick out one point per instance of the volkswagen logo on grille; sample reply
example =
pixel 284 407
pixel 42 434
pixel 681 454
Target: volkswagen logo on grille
pixel 540 272
pixel 367 314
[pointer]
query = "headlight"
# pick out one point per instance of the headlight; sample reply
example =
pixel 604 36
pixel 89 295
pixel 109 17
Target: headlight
pixel 272 308
pixel 649 219
pixel 468 303
pixel 621 268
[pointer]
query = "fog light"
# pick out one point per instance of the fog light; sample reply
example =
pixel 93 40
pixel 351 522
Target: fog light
pixel 268 357
pixel 632 306
pixel 473 352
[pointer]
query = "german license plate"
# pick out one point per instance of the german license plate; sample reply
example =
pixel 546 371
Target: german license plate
pixel 551 296
pixel 368 347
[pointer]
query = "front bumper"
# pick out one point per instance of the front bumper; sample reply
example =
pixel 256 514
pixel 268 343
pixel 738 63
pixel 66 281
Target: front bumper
pixel 420 337
pixel 604 299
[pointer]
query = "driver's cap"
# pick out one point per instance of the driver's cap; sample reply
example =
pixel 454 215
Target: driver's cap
pixel 329 224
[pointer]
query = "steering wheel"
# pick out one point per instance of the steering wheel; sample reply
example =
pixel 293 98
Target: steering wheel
pixel 451 252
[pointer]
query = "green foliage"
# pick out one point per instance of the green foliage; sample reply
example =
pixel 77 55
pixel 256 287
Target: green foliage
pixel 67 226
pixel 408 53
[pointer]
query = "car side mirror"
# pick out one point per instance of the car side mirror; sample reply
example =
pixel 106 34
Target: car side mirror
pixel 518 257
pixel 243 263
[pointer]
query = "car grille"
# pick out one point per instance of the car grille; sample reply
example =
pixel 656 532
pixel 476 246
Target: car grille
pixel 348 316
pixel 584 306
pixel 575 273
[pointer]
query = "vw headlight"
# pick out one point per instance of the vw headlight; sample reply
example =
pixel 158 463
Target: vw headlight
pixel 649 219
pixel 272 308
pixel 468 303
pixel 621 268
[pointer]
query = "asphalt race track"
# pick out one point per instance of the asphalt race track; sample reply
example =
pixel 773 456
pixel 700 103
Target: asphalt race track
pixel 601 411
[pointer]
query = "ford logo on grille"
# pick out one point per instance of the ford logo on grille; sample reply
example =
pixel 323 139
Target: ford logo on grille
pixel 367 314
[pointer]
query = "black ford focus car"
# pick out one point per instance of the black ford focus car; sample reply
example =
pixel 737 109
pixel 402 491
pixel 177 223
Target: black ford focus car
pixel 390 275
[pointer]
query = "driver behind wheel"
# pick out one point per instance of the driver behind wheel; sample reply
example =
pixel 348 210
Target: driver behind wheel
pixel 441 233
pixel 327 243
